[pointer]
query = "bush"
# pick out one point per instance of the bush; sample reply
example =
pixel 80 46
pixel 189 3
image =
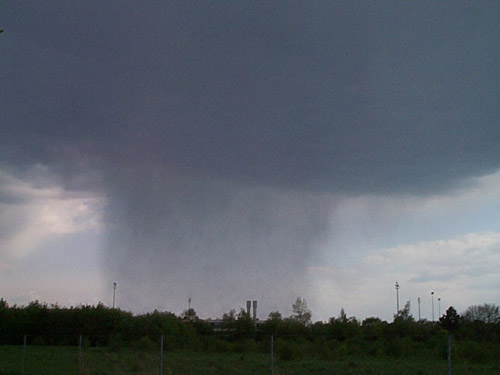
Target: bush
pixel 474 352
pixel 319 348
pixel 115 344
pixel 38 341
pixel 288 350
pixel 355 346
pixel 144 343
pixel 392 348
pixel 211 344
pixel 244 345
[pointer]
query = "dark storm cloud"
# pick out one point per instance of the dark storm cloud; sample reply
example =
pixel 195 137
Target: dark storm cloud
pixel 366 97
pixel 189 116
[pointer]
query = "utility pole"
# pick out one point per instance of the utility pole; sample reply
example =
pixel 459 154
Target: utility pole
pixel 114 294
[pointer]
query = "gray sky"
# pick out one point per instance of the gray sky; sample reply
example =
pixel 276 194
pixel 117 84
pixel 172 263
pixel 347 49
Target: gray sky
pixel 227 151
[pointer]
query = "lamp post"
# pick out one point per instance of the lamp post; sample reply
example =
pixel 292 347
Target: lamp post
pixel 418 300
pixel 432 295
pixel 397 298
pixel 439 307
pixel 114 294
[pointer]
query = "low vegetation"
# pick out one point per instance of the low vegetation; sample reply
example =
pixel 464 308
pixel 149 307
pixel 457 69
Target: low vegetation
pixel 101 340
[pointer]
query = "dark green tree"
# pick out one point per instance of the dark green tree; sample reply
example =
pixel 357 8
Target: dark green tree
pixel 189 315
pixel 404 315
pixel 273 323
pixel 450 320
pixel 342 328
pixel 229 319
pixel 244 324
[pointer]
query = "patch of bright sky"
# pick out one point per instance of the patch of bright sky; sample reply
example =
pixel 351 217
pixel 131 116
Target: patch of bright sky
pixel 51 243
pixel 449 244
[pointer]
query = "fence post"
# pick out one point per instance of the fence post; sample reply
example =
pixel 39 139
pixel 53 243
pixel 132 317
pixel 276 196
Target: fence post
pixel 161 355
pixel 24 354
pixel 449 354
pixel 80 365
pixel 272 354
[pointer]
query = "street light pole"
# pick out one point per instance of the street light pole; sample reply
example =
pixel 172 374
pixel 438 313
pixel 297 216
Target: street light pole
pixel 439 307
pixel 397 298
pixel 432 295
pixel 114 294
pixel 418 308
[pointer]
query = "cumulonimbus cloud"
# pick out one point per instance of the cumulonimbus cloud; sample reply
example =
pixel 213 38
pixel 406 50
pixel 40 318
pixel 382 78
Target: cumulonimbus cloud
pixel 219 130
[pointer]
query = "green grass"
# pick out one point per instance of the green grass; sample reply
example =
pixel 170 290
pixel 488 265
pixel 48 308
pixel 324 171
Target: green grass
pixel 38 360
pixel 101 361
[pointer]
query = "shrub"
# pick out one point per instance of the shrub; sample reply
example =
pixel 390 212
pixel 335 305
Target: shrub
pixel 392 348
pixel 288 350
pixel 474 352
pixel 244 345
pixel 38 341
pixel 115 344
pixel 144 343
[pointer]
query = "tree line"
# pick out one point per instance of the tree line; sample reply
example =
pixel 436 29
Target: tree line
pixel 476 331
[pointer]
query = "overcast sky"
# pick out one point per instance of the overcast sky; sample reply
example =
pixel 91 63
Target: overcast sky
pixel 224 151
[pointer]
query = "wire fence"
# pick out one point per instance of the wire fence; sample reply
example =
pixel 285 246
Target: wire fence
pixel 79 357
pixel 28 355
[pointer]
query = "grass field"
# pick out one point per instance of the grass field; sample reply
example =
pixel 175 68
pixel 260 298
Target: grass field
pixel 101 361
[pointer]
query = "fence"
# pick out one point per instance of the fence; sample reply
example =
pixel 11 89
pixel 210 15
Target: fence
pixel 33 357
pixel 79 357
